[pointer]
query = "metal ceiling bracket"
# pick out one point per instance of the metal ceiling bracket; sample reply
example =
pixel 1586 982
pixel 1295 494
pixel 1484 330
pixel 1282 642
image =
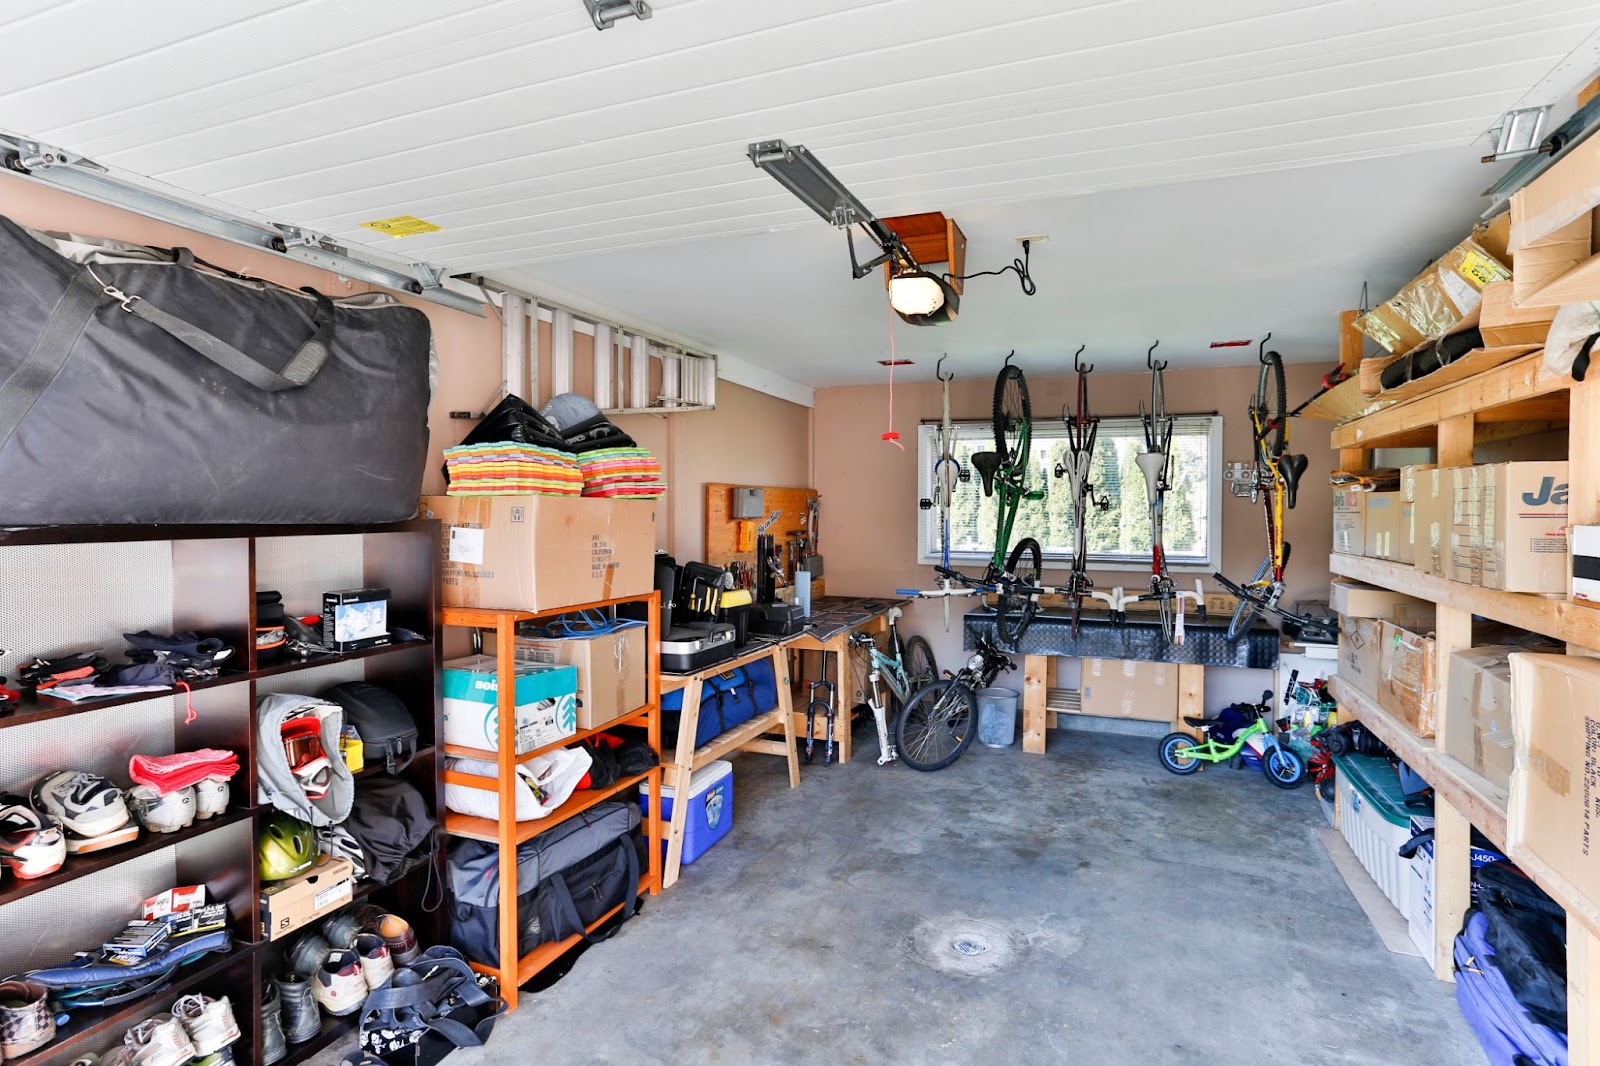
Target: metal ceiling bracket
pixel 1518 133
pixel 606 13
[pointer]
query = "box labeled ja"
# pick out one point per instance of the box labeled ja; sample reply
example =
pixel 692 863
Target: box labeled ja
pixel 710 807
pixel 547 705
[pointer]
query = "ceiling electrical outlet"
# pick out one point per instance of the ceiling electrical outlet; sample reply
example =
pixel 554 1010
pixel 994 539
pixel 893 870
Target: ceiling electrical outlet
pixel 1036 238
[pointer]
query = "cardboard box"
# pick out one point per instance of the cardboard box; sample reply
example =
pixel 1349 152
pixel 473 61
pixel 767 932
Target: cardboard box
pixel 539 553
pixel 1408 681
pixel 300 900
pixel 1447 291
pixel 1127 688
pixel 610 667
pixel 1408 511
pixel 1430 519
pixel 1545 260
pixel 1477 712
pixel 1585 544
pixel 546 697
pixel 1349 520
pixel 1463 561
pixel 1353 599
pixel 1502 322
pixel 1360 644
pixel 1523 538
pixel 1382 530
pixel 1564 194
pixel 1553 818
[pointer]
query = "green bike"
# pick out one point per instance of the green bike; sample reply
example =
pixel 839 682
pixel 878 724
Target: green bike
pixel 1182 754
pixel 1013 578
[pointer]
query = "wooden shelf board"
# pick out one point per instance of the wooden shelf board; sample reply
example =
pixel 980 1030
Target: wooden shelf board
pixel 487 829
pixel 543 955
pixel 461 751
pixel 1470 365
pixel 737 737
pixel 492 618
pixel 1556 618
pixel 1521 390
pixel 333 1029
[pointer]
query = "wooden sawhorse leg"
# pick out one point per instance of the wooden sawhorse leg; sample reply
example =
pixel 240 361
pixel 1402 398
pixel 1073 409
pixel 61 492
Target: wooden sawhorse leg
pixel 676 774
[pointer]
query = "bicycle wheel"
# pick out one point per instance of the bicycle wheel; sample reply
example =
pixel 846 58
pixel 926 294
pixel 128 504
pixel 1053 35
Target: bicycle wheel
pixel 936 725
pixel 1013 416
pixel 1273 400
pixel 1013 609
pixel 1244 615
pixel 1176 752
pixel 1284 767
pixel 920 666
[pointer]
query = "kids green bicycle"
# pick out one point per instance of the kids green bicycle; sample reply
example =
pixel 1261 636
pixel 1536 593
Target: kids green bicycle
pixel 1227 737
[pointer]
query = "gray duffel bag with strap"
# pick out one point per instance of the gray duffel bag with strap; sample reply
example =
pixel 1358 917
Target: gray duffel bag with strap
pixel 142 385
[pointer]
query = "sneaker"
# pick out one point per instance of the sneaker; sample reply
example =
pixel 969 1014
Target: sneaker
pixel 338 985
pixel 216 1058
pixel 396 932
pixel 376 965
pixel 211 796
pixel 301 1021
pixel 210 1022
pixel 341 929
pixel 26 1023
pixel 159 1041
pixel 273 1044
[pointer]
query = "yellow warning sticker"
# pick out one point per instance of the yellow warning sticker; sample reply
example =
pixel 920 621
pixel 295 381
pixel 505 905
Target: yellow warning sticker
pixel 1481 269
pixel 402 226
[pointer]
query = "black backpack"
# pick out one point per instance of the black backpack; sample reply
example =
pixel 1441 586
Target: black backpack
pixel 389 831
pixel 381 720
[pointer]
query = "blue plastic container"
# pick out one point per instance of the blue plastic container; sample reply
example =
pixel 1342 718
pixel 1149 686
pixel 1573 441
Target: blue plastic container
pixel 710 808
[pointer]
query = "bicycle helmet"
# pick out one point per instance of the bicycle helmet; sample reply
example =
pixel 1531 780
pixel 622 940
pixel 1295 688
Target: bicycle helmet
pixel 87 806
pixel 210 797
pixel 287 848
pixel 31 845
pixel 162 812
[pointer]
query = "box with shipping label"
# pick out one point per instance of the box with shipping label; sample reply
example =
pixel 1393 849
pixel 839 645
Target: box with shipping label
pixel 611 671
pixel 1477 712
pixel 298 901
pixel 540 553
pixel 1408 677
pixel 1522 546
pixel 710 814
pixel 1430 519
pixel 1382 531
pixel 547 703
pixel 1353 599
pixel 1360 642
pixel 1130 688
pixel 1349 520
pixel 1463 560
pixel 1585 588
pixel 1553 817
pixel 1426 307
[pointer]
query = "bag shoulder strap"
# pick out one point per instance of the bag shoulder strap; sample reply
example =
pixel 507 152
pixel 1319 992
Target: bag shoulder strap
pixel 51 348
pixel 569 910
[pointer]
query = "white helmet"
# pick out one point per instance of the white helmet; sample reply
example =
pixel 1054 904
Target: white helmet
pixel 163 812
pixel 88 806
pixel 31 845
pixel 210 797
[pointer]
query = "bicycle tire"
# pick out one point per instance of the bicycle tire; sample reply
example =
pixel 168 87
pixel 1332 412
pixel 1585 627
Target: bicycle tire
pixel 1284 767
pixel 1244 615
pixel 1013 610
pixel 1013 416
pixel 1171 754
pixel 1273 398
pixel 936 726
pixel 920 666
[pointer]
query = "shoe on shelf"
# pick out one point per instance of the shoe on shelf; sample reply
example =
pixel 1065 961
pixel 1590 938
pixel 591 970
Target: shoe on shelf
pixel 26 1023
pixel 340 930
pixel 338 985
pixel 308 953
pixel 159 1041
pixel 301 1021
pixel 396 932
pixel 273 1044
pixel 376 965
pixel 210 1022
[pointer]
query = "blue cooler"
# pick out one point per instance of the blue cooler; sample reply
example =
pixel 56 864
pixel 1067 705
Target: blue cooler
pixel 710 808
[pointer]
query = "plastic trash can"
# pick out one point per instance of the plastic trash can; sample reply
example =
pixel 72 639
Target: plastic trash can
pixel 997 717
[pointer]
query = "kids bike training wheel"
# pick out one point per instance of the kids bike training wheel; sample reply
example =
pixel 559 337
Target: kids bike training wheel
pixel 1013 415
pixel 936 725
pixel 919 663
pixel 1273 400
pixel 1284 767
pixel 1014 607
pixel 1177 753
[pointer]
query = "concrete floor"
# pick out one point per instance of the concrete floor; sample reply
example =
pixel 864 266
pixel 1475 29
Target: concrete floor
pixel 1130 916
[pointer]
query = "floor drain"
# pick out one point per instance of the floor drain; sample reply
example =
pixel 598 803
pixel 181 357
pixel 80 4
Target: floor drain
pixel 967 946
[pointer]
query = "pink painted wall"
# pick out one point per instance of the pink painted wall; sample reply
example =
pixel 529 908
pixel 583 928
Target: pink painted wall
pixel 870 489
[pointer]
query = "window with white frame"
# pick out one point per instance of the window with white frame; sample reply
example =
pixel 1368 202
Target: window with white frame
pixel 1117 536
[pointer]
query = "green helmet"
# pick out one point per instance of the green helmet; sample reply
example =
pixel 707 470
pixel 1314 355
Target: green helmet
pixel 288 847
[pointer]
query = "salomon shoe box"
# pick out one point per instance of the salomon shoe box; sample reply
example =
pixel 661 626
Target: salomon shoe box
pixel 547 704
pixel 710 807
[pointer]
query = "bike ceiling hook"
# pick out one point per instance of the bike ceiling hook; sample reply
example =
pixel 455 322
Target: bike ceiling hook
pixel 1150 360
pixel 1079 367
pixel 1010 357
pixel 1261 351
pixel 938 369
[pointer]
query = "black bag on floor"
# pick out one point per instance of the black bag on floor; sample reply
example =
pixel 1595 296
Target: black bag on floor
pixel 577 897
pixel 141 386
pixel 425 1011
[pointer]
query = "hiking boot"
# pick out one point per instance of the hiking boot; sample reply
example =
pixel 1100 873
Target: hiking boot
pixel 338 985
pixel 376 965
pixel 340 930
pixel 159 1041
pixel 273 1044
pixel 210 1022
pixel 301 1021
pixel 26 1023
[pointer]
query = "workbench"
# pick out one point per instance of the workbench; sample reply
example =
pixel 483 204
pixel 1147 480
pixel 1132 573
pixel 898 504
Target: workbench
pixel 1099 637
pixel 833 620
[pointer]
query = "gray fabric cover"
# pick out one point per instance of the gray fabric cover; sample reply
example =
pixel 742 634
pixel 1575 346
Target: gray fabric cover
pixel 276 783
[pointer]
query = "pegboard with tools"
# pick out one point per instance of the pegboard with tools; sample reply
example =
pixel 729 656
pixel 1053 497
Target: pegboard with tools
pixel 732 540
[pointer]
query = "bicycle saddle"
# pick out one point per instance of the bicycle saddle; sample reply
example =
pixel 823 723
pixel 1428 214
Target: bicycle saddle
pixel 1291 467
pixel 1197 723
pixel 988 464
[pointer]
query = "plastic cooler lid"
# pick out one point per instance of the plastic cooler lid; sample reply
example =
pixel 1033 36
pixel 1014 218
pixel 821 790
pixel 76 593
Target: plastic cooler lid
pixel 699 782
pixel 1378 783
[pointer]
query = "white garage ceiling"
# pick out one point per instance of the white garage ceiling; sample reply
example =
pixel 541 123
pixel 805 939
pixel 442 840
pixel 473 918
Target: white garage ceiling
pixel 1205 170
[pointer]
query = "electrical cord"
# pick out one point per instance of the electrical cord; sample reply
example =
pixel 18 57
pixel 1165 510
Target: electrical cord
pixel 578 624
pixel 1020 266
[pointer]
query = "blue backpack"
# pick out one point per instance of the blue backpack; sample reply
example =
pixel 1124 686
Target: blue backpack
pixel 727 700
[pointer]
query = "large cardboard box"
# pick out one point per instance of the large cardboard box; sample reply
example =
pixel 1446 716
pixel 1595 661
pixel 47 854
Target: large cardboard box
pixel 1382 530
pixel 1128 688
pixel 1447 291
pixel 1408 510
pixel 1463 561
pixel 1553 819
pixel 1523 541
pixel 1502 322
pixel 538 553
pixel 611 670
pixel 1360 644
pixel 1354 599
pixel 546 704
pixel 1408 685
pixel 1477 712
pixel 1349 520
pixel 300 900
pixel 1430 519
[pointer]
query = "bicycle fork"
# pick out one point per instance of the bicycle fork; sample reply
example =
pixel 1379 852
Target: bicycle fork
pixel 880 715
pixel 826 707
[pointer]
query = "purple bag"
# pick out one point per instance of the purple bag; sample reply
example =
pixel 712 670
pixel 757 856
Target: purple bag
pixel 1503 1027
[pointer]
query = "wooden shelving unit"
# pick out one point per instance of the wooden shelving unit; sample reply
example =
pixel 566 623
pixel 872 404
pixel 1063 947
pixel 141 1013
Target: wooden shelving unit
pixel 505 831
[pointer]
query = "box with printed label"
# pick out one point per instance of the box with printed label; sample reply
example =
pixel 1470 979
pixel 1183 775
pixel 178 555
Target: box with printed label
pixel 1130 688
pixel 1447 291
pixel 1349 520
pixel 1360 641
pixel 1408 682
pixel 540 553
pixel 1353 599
pixel 298 901
pixel 1478 730
pixel 1430 519
pixel 1381 536
pixel 1523 541
pixel 611 671
pixel 1585 588
pixel 546 697
pixel 1463 561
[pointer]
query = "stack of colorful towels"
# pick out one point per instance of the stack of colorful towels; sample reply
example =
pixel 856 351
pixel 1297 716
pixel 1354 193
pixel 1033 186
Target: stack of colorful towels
pixel 511 469
pixel 622 473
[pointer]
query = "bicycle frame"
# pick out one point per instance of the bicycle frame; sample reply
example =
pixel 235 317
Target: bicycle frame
pixel 1209 750
pixel 1082 429
pixel 1156 463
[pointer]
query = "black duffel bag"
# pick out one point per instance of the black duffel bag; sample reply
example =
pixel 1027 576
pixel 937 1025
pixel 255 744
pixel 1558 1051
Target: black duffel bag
pixel 579 896
pixel 139 385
